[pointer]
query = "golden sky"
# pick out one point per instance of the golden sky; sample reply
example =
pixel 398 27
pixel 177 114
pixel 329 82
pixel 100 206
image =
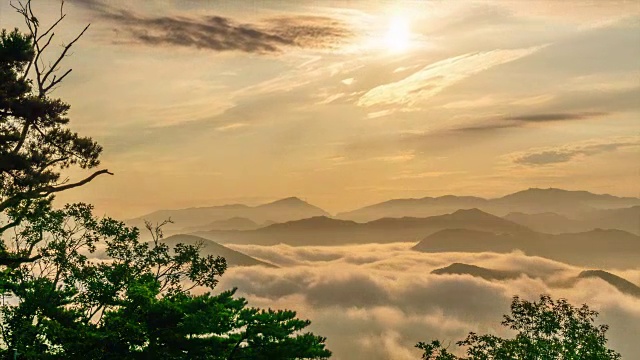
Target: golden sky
pixel 347 103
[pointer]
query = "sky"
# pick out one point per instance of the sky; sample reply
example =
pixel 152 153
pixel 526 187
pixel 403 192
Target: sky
pixel 348 103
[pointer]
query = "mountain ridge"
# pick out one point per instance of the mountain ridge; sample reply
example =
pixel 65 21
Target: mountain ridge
pixel 607 248
pixel 282 210
pixel 536 200
pixel 330 231
pixel 209 247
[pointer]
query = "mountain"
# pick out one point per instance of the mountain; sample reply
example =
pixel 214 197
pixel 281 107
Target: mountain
pixel 552 197
pixel 316 223
pixel 279 211
pixel 547 222
pixel 423 207
pixel 562 202
pixel 477 271
pixel 234 223
pixel 602 248
pixel 627 219
pixel 234 258
pixel 619 283
pixel 329 231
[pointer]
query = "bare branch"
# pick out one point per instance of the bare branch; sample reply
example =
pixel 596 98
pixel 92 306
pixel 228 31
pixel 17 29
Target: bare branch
pixel 53 189
pixel 63 54
pixel 48 190
pixel 55 81
pixel 62 16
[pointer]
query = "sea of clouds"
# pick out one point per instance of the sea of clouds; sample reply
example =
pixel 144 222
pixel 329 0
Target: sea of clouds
pixel 376 302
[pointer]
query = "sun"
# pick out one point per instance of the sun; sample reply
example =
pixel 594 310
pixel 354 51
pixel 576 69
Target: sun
pixel 398 36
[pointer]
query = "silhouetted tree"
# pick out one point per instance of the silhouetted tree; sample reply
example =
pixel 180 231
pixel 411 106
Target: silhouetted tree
pixel 545 330
pixel 78 287
pixel 35 140
pixel 136 301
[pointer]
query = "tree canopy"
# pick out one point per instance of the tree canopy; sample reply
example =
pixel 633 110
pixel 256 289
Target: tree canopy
pixel 75 286
pixel 134 300
pixel 544 330
pixel 36 143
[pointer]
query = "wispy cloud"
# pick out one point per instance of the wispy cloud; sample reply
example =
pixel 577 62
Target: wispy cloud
pixel 566 153
pixel 485 127
pixel 219 33
pixel 308 31
pixel 426 174
pixel 231 126
pixel 517 121
pixel 555 116
pixel 400 157
pixel 434 78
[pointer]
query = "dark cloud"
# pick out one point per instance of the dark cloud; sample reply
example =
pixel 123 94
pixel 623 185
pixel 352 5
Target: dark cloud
pixel 555 116
pixel 522 120
pixel 308 31
pixel 219 33
pixel 567 153
pixel 485 127
pixel 547 157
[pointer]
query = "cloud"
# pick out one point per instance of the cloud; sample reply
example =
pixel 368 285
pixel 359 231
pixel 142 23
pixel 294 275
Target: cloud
pixel 400 157
pixel 565 153
pixel 309 31
pixel 518 121
pixel 219 33
pixel 231 126
pixel 426 174
pixel 434 78
pixel 555 116
pixel 485 127
pixel 376 301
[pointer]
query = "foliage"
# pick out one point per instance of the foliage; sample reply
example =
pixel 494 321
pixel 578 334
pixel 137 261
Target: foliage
pixel 36 143
pixel 77 287
pixel 134 300
pixel 545 329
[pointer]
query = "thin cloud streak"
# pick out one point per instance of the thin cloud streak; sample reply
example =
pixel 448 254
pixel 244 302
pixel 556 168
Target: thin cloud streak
pixel 566 153
pixel 434 78
pixel 518 121
pixel 555 116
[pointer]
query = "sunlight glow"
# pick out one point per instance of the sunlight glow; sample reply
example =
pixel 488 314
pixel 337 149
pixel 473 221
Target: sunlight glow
pixel 398 35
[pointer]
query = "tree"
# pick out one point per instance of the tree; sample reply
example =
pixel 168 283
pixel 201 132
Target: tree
pixel 136 302
pixel 545 330
pixel 36 143
pixel 77 287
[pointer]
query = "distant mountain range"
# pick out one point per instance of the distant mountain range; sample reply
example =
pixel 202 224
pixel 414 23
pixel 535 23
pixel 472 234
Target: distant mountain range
pixel 327 231
pixel 562 202
pixel 461 231
pixel 616 281
pixel 627 219
pixel 234 258
pixel 234 223
pixel 544 210
pixel 283 210
pixel 602 248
